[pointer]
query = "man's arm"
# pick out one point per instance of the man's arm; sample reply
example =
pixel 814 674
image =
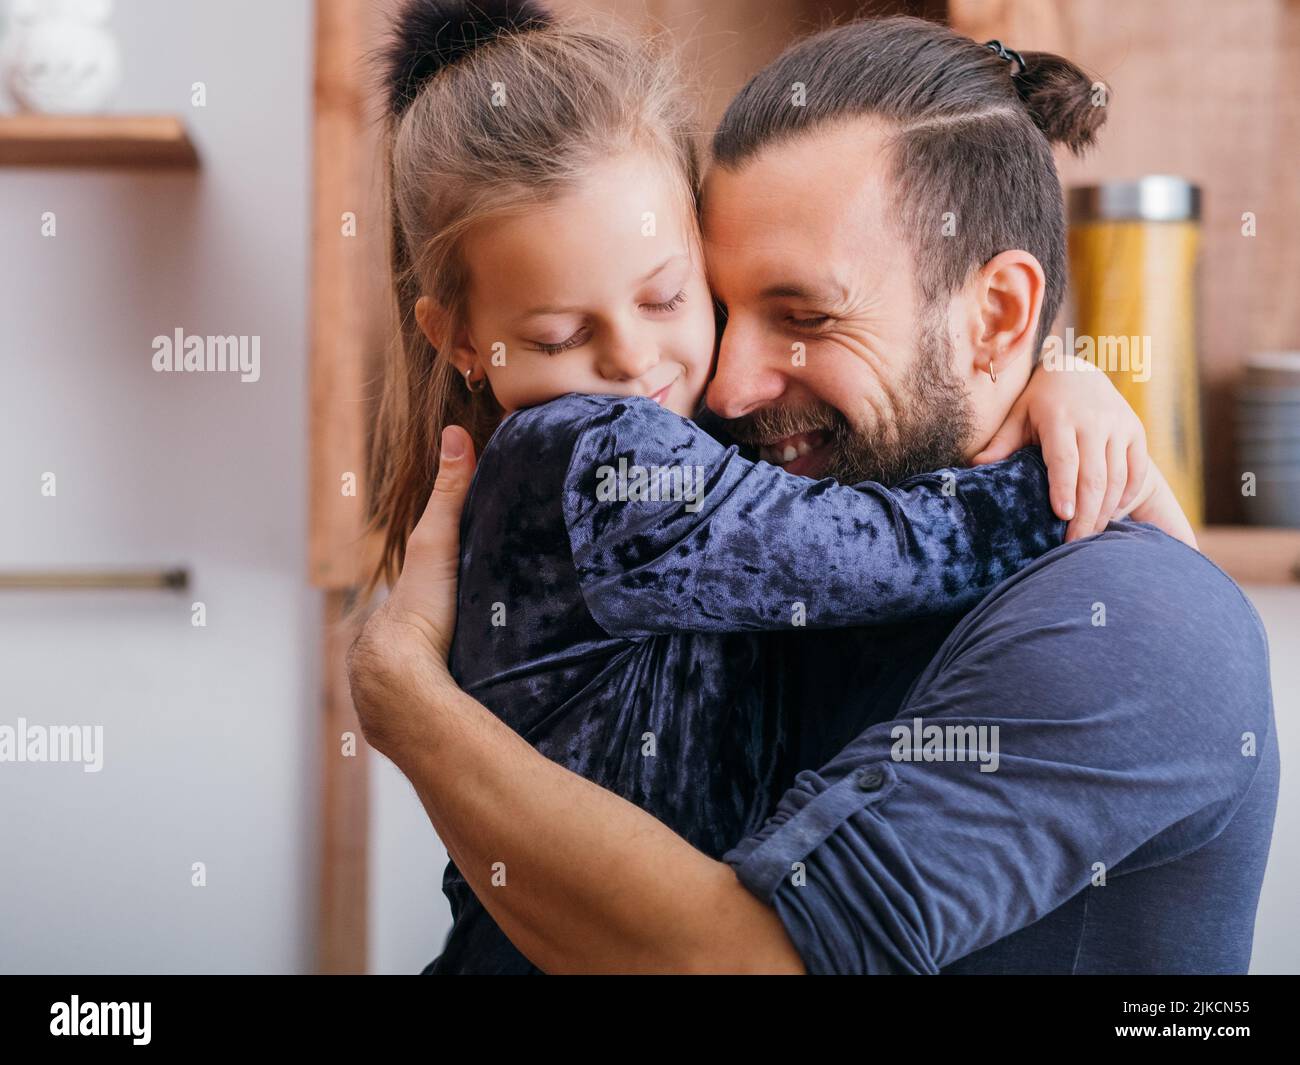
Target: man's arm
pixel 591 882
pixel 1103 712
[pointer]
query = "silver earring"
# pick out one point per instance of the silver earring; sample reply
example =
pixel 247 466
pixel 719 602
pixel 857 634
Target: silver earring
pixel 993 374
pixel 469 383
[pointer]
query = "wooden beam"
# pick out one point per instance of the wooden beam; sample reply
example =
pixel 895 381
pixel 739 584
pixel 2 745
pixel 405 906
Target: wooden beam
pixel 349 302
pixel 341 941
pixel 348 316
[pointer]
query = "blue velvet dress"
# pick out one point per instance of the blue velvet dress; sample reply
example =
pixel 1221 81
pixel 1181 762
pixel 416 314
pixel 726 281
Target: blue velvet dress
pixel 624 579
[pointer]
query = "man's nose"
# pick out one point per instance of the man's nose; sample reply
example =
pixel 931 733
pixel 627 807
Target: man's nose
pixel 746 376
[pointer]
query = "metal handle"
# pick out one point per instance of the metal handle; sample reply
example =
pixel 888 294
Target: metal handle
pixel 171 579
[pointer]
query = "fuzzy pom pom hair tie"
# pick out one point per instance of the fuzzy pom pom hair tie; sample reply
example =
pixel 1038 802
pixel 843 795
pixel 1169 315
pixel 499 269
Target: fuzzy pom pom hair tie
pixel 430 35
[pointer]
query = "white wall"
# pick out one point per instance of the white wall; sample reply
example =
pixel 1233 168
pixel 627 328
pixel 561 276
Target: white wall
pixel 1277 925
pixel 210 733
pixel 409 915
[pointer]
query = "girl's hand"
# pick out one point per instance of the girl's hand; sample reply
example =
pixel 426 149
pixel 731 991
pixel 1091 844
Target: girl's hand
pixel 1093 444
pixel 1156 504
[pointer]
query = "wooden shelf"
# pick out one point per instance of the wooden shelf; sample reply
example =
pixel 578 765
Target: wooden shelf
pixel 153 141
pixel 1253 555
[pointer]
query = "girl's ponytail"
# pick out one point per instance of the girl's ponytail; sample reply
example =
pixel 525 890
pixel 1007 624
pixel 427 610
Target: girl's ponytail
pixel 429 35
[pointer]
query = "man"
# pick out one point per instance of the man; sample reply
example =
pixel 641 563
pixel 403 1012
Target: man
pixel 1118 817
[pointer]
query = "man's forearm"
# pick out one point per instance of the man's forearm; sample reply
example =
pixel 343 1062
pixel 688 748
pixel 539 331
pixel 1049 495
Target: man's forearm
pixel 586 882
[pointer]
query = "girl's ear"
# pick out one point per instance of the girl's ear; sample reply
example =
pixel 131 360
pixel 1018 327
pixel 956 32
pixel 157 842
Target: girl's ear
pixel 433 318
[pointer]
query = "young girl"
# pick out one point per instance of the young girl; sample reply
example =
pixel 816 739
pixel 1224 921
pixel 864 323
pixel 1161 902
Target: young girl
pixel 619 564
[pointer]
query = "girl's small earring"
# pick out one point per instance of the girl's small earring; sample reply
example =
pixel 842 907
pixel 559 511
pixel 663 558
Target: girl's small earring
pixel 993 374
pixel 470 384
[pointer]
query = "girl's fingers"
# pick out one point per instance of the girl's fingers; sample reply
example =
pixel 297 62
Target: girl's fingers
pixel 1139 463
pixel 1092 487
pixel 1010 438
pixel 1116 481
pixel 1061 454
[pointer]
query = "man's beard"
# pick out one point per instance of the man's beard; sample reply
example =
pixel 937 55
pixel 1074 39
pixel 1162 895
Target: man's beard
pixel 933 420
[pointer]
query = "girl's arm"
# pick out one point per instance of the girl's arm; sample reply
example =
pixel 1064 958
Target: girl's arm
pixel 672 532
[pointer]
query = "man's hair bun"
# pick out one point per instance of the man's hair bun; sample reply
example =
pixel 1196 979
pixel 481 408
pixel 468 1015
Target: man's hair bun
pixel 430 35
pixel 1059 98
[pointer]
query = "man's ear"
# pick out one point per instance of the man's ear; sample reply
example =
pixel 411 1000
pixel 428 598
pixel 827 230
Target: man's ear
pixel 1008 296
pixel 433 320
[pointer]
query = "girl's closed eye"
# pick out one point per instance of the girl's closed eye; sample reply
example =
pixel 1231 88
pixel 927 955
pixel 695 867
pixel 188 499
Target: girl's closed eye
pixel 667 305
pixel 576 340
pixel 583 335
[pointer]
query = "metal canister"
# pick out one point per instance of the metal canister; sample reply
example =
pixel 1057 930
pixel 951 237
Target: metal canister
pixel 1133 277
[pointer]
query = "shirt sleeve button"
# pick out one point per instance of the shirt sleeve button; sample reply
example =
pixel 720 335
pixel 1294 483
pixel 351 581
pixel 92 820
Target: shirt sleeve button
pixel 871 779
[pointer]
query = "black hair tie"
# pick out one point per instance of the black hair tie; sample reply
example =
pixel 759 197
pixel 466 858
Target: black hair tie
pixel 1009 54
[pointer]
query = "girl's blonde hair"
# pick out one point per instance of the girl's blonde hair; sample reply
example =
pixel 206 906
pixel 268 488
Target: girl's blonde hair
pixel 493 108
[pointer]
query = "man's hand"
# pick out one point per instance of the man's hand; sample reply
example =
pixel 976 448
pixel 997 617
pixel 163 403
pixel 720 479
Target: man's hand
pixel 409 636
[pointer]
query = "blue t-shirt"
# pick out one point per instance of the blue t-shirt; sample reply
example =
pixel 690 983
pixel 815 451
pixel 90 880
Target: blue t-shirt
pixel 623 575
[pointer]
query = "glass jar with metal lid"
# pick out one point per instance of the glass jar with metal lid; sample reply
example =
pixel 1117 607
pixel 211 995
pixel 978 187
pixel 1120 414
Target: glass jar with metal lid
pixel 1133 254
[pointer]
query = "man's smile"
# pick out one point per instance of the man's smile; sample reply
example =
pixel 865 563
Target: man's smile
pixel 802 453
